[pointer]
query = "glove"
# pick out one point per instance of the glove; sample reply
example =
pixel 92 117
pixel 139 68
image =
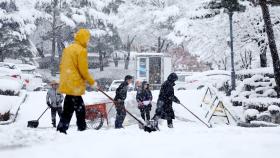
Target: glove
pixel 95 87
pixel 49 104
pixel 140 104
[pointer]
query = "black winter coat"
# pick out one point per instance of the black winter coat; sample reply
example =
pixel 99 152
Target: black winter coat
pixel 164 103
pixel 144 95
pixel 121 92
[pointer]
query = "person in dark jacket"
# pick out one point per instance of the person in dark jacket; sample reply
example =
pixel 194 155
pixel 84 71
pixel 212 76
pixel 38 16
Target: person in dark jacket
pixel 119 99
pixel 144 98
pixel 164 108
pixel 54 100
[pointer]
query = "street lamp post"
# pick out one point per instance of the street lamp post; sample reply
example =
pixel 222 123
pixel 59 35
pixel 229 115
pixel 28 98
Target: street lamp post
pixel 232 6
pixel 233 77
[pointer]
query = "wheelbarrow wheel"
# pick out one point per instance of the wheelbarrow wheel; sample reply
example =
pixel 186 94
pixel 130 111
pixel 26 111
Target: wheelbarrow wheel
pixel 95 122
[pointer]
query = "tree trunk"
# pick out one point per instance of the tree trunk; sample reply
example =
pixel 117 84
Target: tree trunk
pixel 263 58
pixel 101 60
pixel 271 42
pixel 127 58
pixel 53 64
pixel 59 50
pixel 160 44
pixel 116 61
pixel 1 56
pixel 128 46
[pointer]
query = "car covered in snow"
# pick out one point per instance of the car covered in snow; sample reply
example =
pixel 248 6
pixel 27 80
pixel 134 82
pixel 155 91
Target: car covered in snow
pixel 181 82
pixel 215 78
pixel 116 83
pixel 10 86
pixel 25 72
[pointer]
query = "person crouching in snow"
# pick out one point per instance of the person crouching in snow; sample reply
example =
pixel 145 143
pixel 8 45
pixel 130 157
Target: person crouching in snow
pixel 54 101
pixel 119 99
pixel 144 98
pixel 164 108
pixel 74 76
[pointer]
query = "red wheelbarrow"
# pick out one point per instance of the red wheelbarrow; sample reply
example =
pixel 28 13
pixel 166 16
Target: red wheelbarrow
pixel 95 115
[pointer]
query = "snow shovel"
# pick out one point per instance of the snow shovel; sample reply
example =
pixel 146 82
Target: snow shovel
pixel 145 127
pixel 206 124
pixel 35 123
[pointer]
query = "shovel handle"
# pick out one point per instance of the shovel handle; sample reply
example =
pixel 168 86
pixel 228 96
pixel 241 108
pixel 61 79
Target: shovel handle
pixel 43 113
pixel 124 108
pixel 209 126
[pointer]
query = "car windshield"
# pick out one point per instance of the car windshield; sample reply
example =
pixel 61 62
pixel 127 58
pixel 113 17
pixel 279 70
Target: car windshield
pixel 181 78
pixel 118 82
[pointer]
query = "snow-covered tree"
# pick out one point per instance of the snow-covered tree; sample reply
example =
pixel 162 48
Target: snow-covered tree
pixel 15 27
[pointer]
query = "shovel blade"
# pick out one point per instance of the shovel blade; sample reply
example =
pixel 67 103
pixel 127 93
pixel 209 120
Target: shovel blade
pixel 151 126
pixel 33 124
pixel 149 129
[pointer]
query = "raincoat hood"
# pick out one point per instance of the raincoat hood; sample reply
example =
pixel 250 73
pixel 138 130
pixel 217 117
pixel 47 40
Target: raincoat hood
pixel 82 37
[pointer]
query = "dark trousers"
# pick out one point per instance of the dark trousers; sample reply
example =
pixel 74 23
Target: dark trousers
pixel 55 110
pixel 71 104
pixel 145 112
pixel 120 116
pixel 169 122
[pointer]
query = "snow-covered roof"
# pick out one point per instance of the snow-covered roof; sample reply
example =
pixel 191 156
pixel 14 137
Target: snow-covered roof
pixel 149 54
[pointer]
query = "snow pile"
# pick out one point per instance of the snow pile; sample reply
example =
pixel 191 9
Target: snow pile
pixel 15 137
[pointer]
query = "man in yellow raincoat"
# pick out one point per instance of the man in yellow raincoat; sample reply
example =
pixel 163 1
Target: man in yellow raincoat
pixel 74 76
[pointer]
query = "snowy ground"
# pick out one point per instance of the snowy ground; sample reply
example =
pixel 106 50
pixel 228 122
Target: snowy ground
pixel 187 139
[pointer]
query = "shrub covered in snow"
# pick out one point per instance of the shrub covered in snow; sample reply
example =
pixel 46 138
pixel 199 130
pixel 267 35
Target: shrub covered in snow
pixel 5 108
pixel 251 114
pixel 273 109
pixel 257 91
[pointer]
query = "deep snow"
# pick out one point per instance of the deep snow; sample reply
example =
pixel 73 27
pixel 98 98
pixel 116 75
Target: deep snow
pixel 189 138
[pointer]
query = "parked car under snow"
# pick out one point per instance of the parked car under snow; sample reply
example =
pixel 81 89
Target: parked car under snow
pixel 215 78
pixel 25 72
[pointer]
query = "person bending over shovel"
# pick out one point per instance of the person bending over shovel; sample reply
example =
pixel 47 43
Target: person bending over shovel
pixel 119 99
pixel 74 75
pixel 54 100
pixel 164 108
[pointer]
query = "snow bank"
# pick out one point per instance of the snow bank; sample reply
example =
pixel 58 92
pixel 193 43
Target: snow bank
pixel 185 140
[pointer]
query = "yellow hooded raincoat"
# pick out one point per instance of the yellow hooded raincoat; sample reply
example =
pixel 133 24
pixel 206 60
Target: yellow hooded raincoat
pixel 74 72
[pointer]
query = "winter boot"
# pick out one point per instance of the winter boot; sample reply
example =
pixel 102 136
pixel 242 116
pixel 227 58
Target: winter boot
pixel 154 123
pixel 170 123
pixel 54 123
